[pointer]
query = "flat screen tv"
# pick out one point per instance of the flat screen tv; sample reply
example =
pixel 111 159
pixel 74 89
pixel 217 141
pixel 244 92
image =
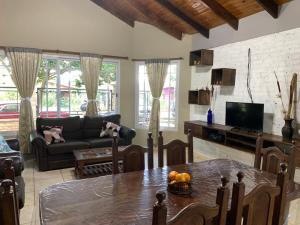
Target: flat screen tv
pixel 246 116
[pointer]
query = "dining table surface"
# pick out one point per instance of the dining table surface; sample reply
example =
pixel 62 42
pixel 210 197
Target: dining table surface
pixel 128 198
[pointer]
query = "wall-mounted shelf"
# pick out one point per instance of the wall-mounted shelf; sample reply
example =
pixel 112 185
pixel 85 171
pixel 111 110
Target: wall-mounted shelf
pixel 202 57
pixel 199 97
pixel 223 76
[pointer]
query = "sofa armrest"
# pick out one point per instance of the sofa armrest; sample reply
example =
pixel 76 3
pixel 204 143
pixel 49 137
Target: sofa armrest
pixel 127 133
pixel 39 149
pixel 13 143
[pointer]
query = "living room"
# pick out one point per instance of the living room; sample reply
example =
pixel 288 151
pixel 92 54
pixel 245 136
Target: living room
pixel 123 38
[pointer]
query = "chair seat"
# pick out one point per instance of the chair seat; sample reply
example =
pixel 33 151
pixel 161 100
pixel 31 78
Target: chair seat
pixel 67 147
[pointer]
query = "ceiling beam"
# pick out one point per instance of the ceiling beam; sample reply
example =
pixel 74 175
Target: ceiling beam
pixel 195 24
pixel 113 10
pixel 219 10
pixel 155 19
pixel 270 6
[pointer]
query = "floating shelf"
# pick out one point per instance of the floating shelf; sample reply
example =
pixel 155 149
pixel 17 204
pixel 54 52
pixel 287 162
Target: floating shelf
pixel 199 97
pixel 223 76
pixel 202 57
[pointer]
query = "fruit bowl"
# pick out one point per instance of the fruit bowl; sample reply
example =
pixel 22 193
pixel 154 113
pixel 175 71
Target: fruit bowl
pixel 179 183
pixel 180 188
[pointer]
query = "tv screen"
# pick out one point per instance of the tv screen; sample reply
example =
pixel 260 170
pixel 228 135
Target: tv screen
pixel 248 116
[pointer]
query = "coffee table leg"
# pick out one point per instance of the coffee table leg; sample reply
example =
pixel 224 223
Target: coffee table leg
pixel 79 169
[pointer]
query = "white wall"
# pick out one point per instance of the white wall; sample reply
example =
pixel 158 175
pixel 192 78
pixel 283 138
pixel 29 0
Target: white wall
pixel 257 25
pixel 278 52
pixel 74 25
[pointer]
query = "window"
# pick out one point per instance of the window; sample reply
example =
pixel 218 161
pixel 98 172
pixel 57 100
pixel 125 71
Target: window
pixel 168 100
pixel 9 100
pixel 61 90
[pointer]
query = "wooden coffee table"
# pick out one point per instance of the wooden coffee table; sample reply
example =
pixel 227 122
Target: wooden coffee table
pixel 94 162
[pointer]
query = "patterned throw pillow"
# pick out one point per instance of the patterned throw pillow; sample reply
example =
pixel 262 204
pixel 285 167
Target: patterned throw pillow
pixel 53 134
pixel 4 147
pixel 109 128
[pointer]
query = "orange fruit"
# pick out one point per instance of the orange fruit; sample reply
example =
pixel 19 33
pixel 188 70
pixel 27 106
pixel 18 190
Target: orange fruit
pixel 180 177
pixel 187 177
pixel 172 175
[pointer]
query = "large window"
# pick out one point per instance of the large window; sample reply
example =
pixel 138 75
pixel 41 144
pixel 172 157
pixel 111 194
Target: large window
pixel 61 90
pixel 168 100
pixel 9 99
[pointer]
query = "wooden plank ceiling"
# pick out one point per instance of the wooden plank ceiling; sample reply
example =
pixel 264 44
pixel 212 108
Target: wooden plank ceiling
pixel 178 17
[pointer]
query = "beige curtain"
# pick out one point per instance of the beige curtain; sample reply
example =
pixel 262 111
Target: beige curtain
pixel 91 68
pixel 25 66
pixel 157 71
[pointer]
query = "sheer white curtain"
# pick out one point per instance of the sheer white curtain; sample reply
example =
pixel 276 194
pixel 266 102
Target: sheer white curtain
pixel 25 65
pixel 91 68
pixel 157 72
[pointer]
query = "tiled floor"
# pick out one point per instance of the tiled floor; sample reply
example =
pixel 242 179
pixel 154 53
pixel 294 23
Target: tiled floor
pixel 37 181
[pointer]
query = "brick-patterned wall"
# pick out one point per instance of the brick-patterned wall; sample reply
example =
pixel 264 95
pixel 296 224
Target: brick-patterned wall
pixel 278 52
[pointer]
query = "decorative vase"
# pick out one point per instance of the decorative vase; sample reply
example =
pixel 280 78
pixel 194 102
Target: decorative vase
pixel 209 117
pixel 287 130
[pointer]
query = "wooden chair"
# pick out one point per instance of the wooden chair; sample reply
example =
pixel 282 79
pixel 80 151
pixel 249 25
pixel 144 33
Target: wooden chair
pixel 196 213
pixel 264 205
pixel 269 159
pixel 133 156
pixel 176 150
pixel 8 207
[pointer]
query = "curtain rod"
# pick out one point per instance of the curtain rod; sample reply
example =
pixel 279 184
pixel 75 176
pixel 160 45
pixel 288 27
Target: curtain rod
pixel 141 60
pixel 73 53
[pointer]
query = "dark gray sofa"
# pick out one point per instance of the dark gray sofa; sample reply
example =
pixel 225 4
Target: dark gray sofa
pixel 79 133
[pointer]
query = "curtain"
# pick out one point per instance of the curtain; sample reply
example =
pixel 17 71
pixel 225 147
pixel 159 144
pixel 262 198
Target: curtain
pixel 25 67
pixel 157 71
pixel 91 67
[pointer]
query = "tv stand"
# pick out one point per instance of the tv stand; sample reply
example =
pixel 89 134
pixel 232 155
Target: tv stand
pixel 235 137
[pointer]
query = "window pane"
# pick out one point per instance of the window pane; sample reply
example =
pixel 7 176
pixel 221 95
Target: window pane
pixel 62 79
pixel 168 98
pixel 9 100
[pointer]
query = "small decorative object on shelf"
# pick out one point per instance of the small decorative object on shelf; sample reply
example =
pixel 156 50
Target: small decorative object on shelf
pixel 288 130
pixel 179 183
pixel 209 117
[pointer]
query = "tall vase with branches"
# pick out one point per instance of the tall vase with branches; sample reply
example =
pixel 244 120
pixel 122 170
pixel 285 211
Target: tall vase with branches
pixel 287 130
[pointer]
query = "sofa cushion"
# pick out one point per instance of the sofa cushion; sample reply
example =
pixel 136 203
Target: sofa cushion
pixel 102 142
pixel 67 147
pixel 92 126
pixel 114 118
pixel 71 126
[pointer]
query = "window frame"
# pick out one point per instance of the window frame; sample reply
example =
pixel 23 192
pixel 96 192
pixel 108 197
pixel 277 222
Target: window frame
pixel 105 60
pixel 163 128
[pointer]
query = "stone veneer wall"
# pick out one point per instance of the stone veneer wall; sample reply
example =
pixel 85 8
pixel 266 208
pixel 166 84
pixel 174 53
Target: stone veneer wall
pixel 278 52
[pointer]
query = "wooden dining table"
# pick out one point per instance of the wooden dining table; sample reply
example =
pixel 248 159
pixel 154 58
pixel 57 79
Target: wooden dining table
pixel 128 198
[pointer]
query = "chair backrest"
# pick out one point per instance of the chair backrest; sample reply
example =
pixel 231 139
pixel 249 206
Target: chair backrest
pixel 176 150
pixel 264 205
pixel 269 159
pixel 8 207
pixel 133 156
pixel 196 213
